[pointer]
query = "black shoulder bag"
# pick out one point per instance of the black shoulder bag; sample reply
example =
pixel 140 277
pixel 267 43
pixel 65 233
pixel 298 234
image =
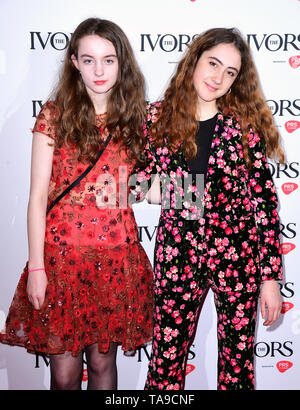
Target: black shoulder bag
pixel 81 176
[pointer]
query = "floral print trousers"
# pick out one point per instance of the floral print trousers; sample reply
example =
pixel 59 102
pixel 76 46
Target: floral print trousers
pixel 184 270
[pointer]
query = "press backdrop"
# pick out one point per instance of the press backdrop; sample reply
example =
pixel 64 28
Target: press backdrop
pixel 34 35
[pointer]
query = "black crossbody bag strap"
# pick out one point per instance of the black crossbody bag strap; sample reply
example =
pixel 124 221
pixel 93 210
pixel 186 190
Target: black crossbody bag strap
pixel 81 176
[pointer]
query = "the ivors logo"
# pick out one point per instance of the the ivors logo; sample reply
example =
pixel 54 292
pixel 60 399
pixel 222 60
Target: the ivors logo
pixel 58 41
pixel 284 107
pixel 273 349
pixel 284 365
pixel 288 230
pixel 167 42
pixel 144 233
pixel 36 107
pixel 287 289
pixel 274 41
pixel 290 170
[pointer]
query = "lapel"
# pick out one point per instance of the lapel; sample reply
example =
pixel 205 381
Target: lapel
pixel 225 164
pixel 225 158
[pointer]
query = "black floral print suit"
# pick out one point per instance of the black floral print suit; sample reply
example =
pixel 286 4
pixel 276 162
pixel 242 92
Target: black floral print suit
pixel 231 247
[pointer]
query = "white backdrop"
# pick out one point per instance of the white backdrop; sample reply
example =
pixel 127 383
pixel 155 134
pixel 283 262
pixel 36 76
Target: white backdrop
pixel 34 34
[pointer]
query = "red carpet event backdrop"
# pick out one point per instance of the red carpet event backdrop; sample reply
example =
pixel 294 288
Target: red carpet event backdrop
pixel 34 35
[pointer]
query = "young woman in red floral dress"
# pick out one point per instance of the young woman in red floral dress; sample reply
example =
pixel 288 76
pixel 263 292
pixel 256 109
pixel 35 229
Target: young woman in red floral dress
pixel 213 122
pixel 87 287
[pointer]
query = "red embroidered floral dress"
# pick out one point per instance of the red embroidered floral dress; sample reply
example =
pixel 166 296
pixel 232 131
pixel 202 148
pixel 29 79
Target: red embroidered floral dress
pixel 99 277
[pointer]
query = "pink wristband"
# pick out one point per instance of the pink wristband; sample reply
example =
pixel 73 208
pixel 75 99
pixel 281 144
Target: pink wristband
pixel 33 270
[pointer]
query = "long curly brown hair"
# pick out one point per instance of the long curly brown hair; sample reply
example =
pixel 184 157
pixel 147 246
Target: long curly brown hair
pixel 177 114
pixel 125 106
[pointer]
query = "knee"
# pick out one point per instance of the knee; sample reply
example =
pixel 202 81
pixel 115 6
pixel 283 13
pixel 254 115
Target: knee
pixel 66 382
pixel 101 365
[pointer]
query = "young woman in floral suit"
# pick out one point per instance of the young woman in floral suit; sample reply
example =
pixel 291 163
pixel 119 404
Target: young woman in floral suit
pixel 214 122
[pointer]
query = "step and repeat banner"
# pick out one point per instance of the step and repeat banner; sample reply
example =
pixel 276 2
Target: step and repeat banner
pixel 34 35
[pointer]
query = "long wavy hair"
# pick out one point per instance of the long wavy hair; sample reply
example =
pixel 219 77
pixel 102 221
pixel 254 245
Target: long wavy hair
pixel 177 114
pixel 75 120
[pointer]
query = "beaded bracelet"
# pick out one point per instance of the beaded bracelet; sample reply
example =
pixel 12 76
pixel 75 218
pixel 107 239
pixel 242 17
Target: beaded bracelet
pixel 33 270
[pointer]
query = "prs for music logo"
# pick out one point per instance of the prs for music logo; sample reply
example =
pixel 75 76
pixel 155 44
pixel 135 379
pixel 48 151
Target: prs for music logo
pixel 284 365
pixel 286 306
pixel 287 247
pixel 289 187
pixel 292 126
pixel 294 61
pixel 189 368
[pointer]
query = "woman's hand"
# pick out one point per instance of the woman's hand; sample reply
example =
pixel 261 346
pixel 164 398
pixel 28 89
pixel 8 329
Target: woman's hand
pixel 36 288
pixel 271 301
pixel 154 194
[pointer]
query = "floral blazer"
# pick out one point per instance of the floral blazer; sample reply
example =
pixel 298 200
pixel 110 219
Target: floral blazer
pixel 239 206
